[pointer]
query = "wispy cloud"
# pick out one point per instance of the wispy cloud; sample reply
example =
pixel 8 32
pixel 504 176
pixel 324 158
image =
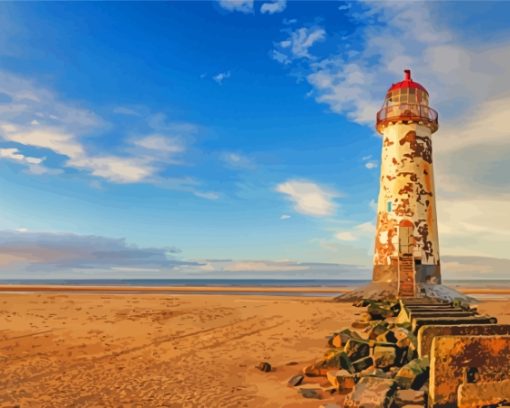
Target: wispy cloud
pixel 309 198
pixel 242 6
pixel 34 117
pixel 237 160
pixel 364 230
pixel 273 7
pixel 220 77
pixel 471 95
pixel 298 44
pixel 285 217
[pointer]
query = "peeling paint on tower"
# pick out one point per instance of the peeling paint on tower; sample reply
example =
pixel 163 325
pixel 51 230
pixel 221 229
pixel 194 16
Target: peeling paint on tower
pixel 406 242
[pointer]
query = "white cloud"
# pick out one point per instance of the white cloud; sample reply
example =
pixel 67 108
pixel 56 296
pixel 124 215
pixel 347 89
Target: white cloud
pixel 364 230
pixel 14 154
pixel 298 44
pixel 345 236
pixel 243 6
pixel 275 6
pixel 160 143
pixel 285 217
pixel 309 198
pixel 237 160
pixel 372 164
pixel 469 84
pixel 220 77
pixel 65 130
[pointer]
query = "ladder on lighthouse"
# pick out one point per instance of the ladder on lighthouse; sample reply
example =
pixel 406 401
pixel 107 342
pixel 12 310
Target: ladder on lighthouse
pixel 406 276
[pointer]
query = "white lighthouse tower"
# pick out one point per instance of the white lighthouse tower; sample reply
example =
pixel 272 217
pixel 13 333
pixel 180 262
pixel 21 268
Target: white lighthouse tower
pixel 406 241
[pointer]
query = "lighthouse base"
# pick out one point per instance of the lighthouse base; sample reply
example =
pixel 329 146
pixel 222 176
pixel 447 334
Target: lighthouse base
pixel 388 291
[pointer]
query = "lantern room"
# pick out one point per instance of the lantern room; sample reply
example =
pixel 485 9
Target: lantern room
pixel 406 101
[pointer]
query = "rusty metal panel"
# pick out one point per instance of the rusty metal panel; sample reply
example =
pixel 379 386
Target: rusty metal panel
pixel 427 333
pixel 453 358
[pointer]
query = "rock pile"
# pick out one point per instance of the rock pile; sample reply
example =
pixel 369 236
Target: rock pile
pixel 373 364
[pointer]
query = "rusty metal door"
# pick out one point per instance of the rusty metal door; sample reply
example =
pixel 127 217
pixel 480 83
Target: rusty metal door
pixel 406 271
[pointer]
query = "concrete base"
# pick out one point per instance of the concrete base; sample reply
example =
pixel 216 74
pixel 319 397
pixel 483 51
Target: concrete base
pixel 389 291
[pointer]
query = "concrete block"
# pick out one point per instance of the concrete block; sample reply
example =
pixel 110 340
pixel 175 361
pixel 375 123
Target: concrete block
pixel 483 394
pixel 417 323
pixel 427 333
pixel 454 359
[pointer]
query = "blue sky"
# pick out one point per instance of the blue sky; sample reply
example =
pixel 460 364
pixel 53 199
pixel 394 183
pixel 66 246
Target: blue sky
pixel 235 138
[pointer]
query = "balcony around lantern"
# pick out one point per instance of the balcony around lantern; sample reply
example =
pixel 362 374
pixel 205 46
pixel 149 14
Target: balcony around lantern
pixel 407 113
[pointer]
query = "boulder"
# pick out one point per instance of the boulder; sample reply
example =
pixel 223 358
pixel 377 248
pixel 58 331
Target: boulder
pixel 414 374
pixel 358 324
pixel 310 393
pixel 384 356
pixel 409 397
pixel 362 363
pixel 264 366
pixel 357 349
pixel 371 392
pixel 342 380
pixel 296 380
pixel 377 330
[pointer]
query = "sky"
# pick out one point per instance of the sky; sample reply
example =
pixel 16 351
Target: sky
pixel 235 139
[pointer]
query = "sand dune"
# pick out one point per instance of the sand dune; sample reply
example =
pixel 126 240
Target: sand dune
pixel 151 350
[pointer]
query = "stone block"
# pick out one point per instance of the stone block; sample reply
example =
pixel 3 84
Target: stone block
pixel 377 330
pixel 384 356
pixel 371 392
pixel 427 333
pixel 342 380
pixel 362 363
pixel 483 394
pixel 356 349
pixel 458 359
pixel 413 374
pixel 409 397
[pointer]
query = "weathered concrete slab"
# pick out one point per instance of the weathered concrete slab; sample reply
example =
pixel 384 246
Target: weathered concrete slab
pixel 452 358
pixel 419 322
pixel 427 333
pixel 483 394
pixel 441 313
pixel 371 392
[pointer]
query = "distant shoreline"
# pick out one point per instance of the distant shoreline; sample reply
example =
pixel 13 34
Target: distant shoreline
pixel 213 289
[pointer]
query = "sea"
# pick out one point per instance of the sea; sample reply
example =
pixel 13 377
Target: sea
pixel 242 283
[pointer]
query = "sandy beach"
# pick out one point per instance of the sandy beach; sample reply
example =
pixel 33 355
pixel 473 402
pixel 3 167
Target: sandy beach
pixel 75 349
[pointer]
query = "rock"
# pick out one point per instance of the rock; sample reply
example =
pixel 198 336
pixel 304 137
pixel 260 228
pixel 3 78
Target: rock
pixel 387 337
pixel 310 393
pixel 406 397
pixel 358 324
pixel 362 363
pixel 384 356
pixel 342 380
pixel 335 341
pixel 337 360
pixel 264 366
pixel 357 349
pixel 296 380
pixel 380 311
pixel 414 374
pixel 377 330
pixel 373 372
pixel 371 392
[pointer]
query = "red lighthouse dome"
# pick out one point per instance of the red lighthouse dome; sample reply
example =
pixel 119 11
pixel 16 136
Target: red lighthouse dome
pixel 407 83
pixel 406 101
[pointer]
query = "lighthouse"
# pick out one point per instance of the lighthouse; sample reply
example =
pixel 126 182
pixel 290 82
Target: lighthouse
pixel 406 239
